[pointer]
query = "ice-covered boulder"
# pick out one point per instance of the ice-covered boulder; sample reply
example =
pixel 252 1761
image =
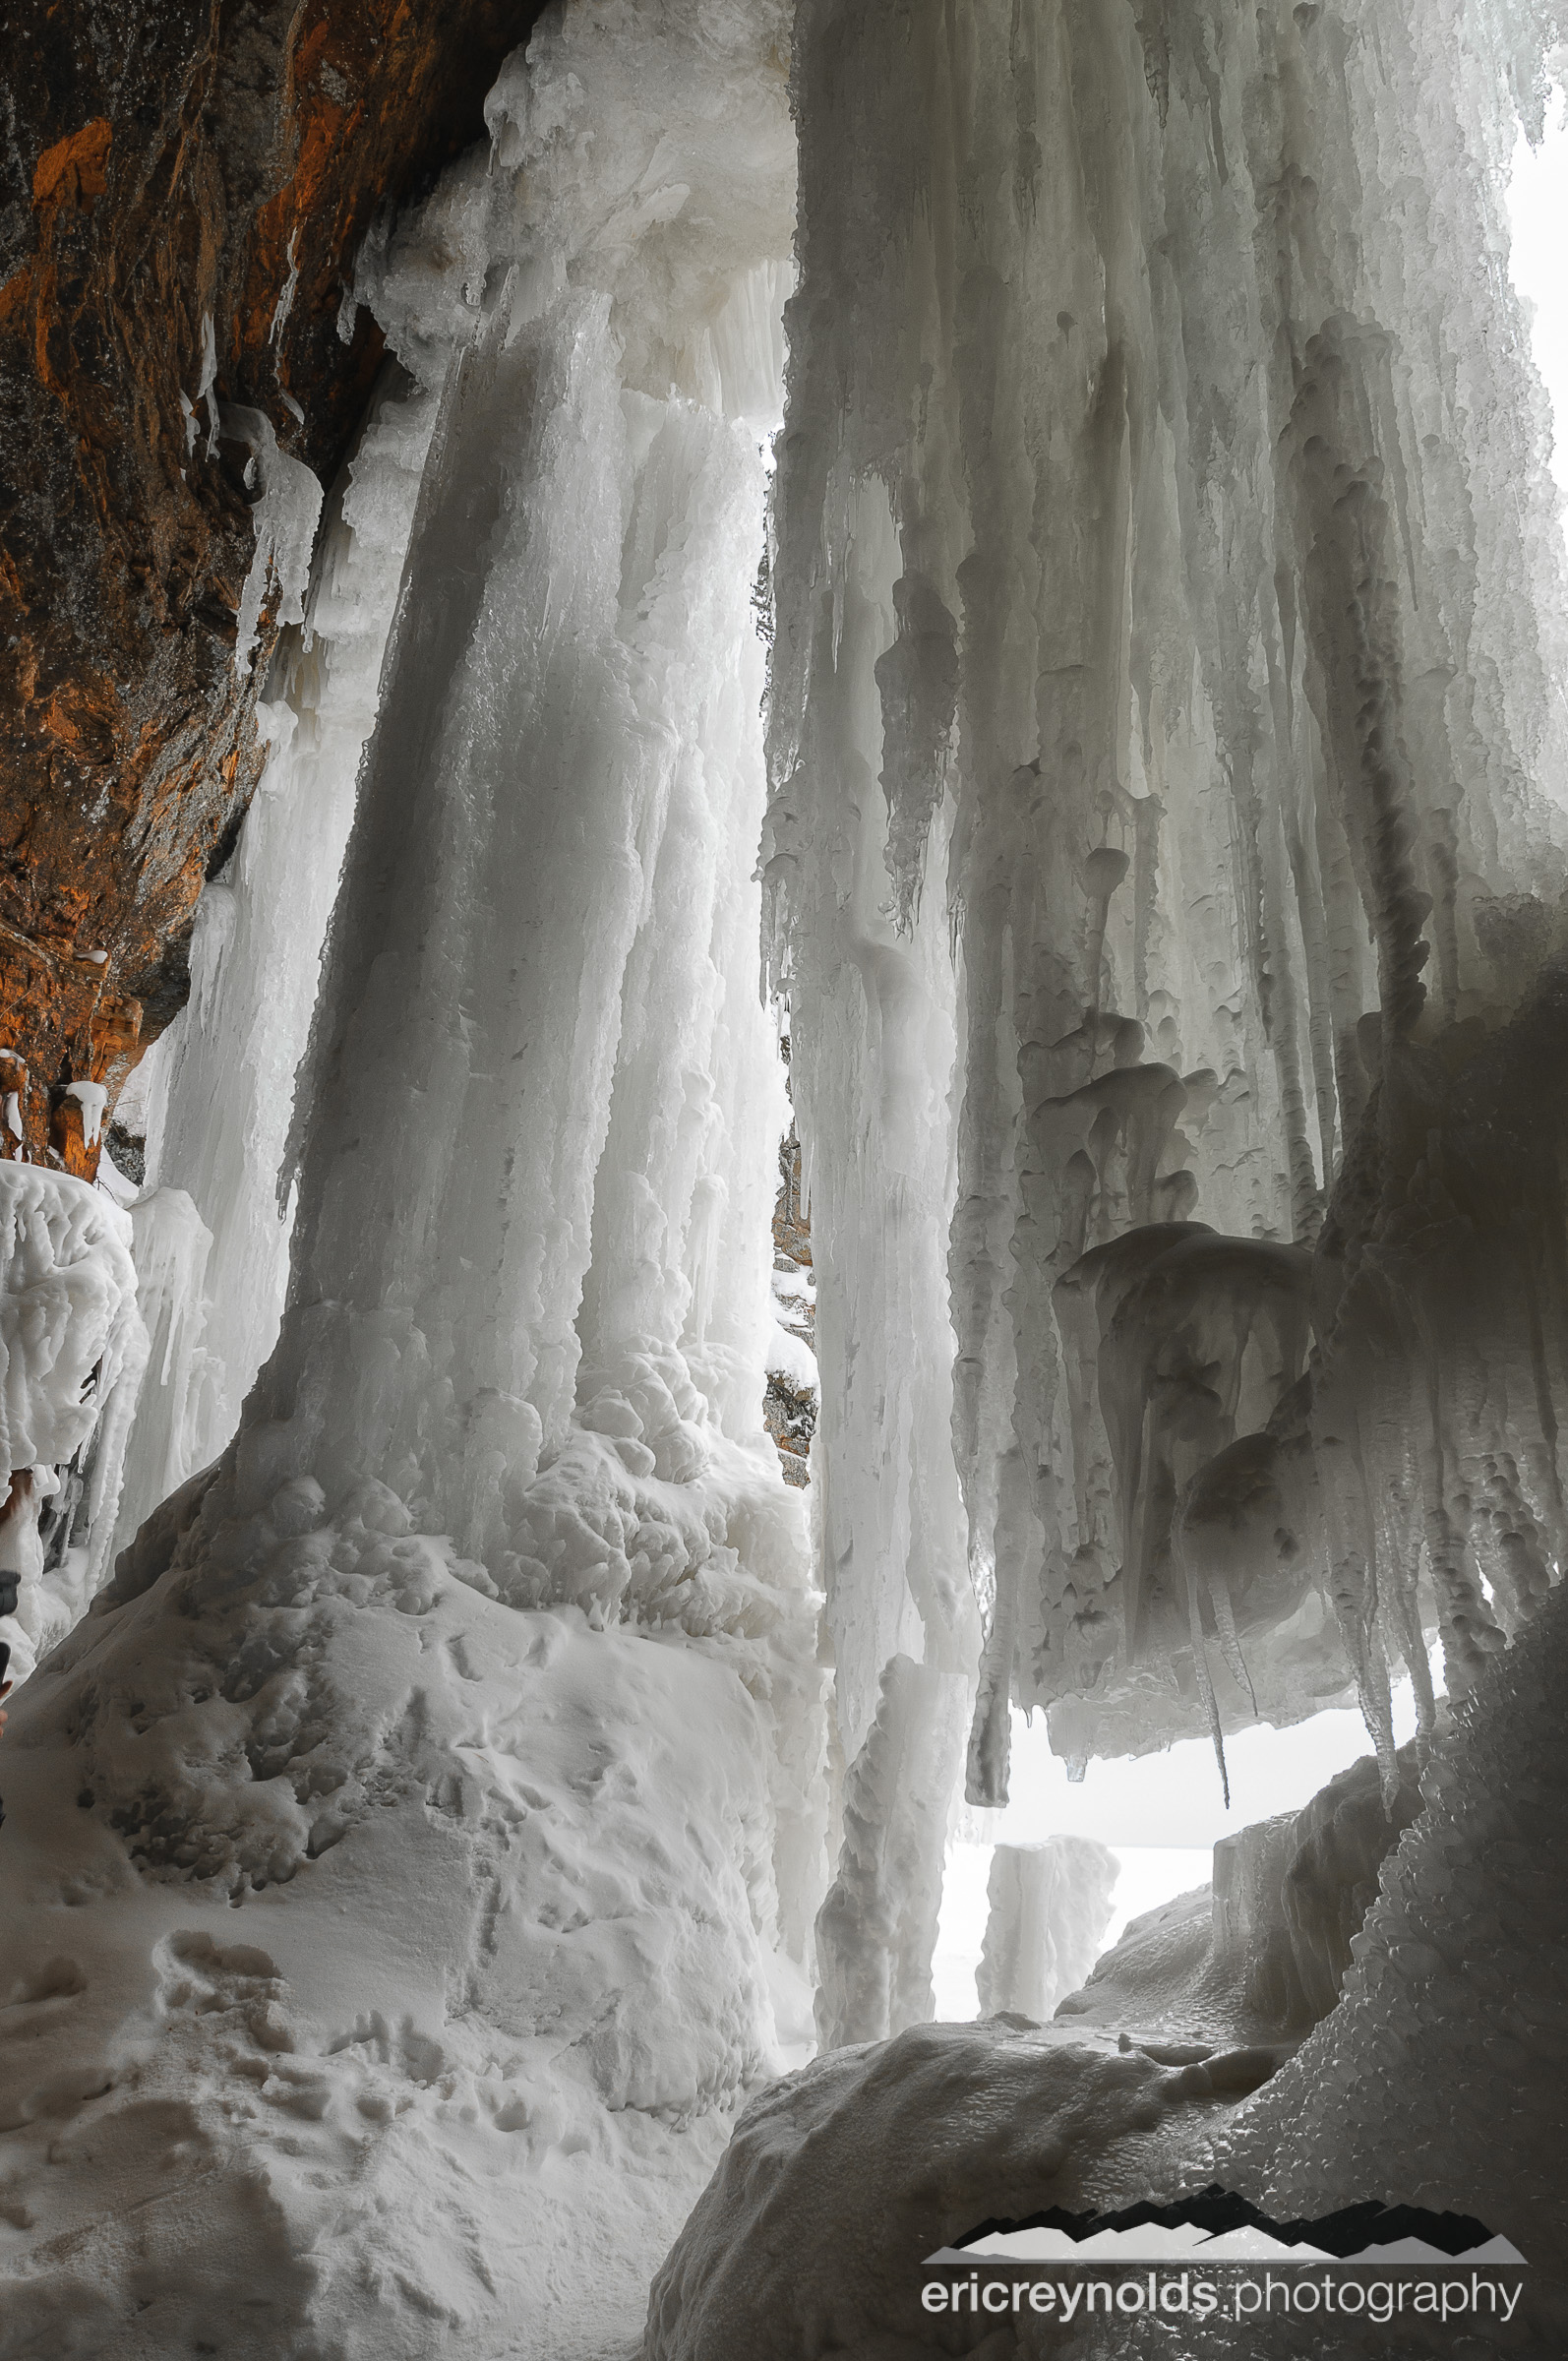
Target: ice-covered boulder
pixel 840 2180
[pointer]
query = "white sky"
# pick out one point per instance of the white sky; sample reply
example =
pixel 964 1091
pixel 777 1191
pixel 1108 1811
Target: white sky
pixel 1159 1814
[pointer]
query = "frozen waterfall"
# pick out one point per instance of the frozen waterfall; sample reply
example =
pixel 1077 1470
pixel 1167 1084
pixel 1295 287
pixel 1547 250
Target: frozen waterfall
pixel 974 591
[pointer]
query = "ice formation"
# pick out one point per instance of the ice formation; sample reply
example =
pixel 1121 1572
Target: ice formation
pixel 1049 1904
pixel 1440 2071
pixel 288 506
pixel 442 1773
pixel 213 1098
pixel 1261 1953
pixel 1169 610
pixel 877 1929
pixel 1431 2082
pixel 72 1351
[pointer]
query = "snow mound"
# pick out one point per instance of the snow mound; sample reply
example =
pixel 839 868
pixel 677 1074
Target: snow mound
pixel 372 1944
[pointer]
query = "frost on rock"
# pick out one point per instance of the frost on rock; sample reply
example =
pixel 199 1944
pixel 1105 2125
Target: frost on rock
pixel 72 1350
pixel 1165 856
pixel 437 1784
pixel 1049 1904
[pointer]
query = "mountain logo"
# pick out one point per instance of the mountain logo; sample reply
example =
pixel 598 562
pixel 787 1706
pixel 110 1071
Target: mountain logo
pixel 1216 2226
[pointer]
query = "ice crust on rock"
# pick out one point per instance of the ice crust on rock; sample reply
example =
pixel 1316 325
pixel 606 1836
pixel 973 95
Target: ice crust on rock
pixel 73 1346
pixel 842 2178
pixel 1047 1906
pixel 1437 2079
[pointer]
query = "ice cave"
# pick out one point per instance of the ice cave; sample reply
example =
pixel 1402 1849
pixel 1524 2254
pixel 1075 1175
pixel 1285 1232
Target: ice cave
pixel 783 1180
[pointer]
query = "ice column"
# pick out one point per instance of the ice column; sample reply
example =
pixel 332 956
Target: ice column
pixel 219 1093
pixel 1049 1905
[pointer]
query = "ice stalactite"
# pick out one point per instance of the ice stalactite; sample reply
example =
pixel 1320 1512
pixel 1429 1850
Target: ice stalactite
pixel 872 1052
pixel 1166 583
pixel 171 1246
pixel 490 1648
pixel 286 508
pixel 213 1102
pixel 876 1930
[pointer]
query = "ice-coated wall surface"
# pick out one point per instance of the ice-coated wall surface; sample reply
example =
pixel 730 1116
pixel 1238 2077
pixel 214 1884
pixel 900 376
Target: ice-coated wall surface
pixel 73 1348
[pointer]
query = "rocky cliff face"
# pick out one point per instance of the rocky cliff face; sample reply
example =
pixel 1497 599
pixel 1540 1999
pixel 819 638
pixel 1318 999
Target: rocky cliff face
pixel 184 191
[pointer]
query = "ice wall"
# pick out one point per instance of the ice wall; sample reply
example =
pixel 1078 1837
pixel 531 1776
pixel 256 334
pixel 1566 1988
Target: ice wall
pixel 456 1747
pixel 1437 2077
pixel 1166 805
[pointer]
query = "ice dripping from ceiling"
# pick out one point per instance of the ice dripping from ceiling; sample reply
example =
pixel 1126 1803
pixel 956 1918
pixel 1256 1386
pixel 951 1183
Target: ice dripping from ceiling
pixel 1165 852
pixel 1170 613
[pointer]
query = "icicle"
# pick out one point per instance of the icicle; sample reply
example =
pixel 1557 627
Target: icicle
pixel 1230 1645
pixel 172 1433
pixel 287 511
pixel 1200 1666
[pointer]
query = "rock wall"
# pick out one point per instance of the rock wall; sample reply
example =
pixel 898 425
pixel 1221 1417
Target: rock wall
pixel 183 191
